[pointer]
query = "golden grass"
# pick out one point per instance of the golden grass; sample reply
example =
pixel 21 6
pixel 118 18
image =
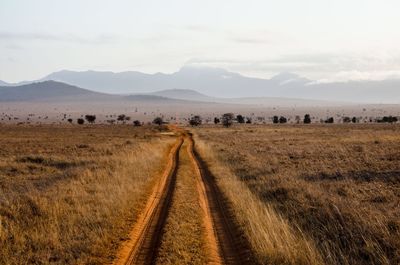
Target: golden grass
pixel 272 239
pixel 183 235
pixel 334 190
pixel 70 194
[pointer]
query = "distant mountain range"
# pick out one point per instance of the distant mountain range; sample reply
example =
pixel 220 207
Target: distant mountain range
pixel 58 92
pixel 219 83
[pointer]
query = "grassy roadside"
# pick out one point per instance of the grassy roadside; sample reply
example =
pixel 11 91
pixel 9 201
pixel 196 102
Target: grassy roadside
pixel 272 239
pixel 69 195
pixel 339 184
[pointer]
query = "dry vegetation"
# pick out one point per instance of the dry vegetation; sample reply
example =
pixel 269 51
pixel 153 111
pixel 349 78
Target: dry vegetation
pixel 183 236
pixel 311 194
pixel 70 194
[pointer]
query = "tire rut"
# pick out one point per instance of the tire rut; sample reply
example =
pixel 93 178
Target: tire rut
pixel 141 248
pixel 225 244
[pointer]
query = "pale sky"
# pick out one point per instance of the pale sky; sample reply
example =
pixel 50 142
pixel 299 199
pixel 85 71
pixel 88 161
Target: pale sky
pixel 319 39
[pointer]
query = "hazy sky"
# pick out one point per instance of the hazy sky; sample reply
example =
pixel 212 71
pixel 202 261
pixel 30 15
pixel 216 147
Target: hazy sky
pixel 319 39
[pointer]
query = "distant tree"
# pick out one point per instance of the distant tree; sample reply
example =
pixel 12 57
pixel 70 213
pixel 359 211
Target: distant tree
pixel 329 120
pixel 388 119
pixel 282 120
pixel 90 118
pixel 137 123
pixel 80 121
pixel 227 119
pixel 307 119
pixel 346 119
pixel 216 120
pixel 240 119
pixel 121 117
pixel 248 120
pixel 158 121
pixel 354 120
pixel 195 120
pixel 275 119
pixel 69 120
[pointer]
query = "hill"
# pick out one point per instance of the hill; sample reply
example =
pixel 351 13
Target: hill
pixel 48 90
pixel 184 94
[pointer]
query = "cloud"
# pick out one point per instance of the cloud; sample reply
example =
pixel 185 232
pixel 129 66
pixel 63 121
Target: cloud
pixel 13 47
pixel 324 67
pixel 346 76
pixel 100 39
pixel 250 40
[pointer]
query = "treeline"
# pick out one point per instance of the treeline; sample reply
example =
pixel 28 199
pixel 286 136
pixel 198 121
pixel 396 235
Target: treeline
pixel 226 120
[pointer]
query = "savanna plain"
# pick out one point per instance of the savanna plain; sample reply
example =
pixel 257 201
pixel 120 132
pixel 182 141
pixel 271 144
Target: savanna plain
pixel 289 194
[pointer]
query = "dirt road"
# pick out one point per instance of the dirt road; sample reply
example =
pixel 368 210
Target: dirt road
pixel 224 245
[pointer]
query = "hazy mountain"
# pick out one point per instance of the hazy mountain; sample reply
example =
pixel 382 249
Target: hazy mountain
pixel 219 83
pixel 47 90
pixel 54 91
pixel 184 94
pixel 2 83
pixel 215 82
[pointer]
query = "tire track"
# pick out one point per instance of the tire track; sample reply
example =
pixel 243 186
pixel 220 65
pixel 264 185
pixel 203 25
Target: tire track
pixel 226 245
pixel 141 248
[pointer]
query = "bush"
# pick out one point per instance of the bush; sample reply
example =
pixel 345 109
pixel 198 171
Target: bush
pixel 388 119
pixel 282 120
pixel 248 120
pixel 137 123
pixel 307 119
pixel 121 117
pixel 69 120
pixel 80 121
pixel 354 120
pixel 329 120
pixel 90 118
pixel 275 119
pixel 240 118
pixel 195 120
pixel 346 119
pixel 158 121
pixel 216 120
pixel 227 119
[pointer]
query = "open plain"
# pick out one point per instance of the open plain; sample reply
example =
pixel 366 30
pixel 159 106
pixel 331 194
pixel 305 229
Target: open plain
pixel 248 194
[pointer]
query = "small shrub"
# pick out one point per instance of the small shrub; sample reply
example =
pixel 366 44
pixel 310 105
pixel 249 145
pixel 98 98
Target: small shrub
pixel 282 120
pixel 240 119
pixel 158 121
pixel 307 119
pixel 195 121
pixel 227 119
pixel 329 120
pixel 90 118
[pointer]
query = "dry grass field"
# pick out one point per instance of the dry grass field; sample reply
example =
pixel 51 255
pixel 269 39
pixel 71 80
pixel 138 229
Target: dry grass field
pixel 315 194
pixel 70 194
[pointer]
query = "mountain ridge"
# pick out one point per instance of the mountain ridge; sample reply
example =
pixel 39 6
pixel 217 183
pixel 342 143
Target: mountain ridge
pixel 220 83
